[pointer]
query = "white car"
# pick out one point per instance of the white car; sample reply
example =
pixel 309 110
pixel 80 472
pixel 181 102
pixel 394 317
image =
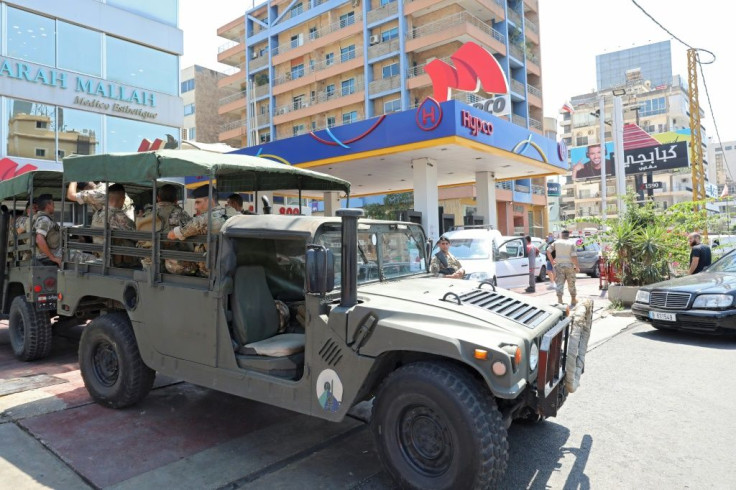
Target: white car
pixel 487 255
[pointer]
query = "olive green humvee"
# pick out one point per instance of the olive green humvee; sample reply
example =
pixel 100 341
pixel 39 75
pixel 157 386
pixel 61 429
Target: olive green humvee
pixel 317 314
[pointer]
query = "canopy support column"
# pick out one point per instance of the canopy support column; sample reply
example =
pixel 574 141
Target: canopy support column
pixel 332 202
pixel 426 196
pixel 485 189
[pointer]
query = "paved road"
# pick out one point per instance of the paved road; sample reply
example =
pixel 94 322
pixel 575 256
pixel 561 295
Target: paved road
pixel 653 411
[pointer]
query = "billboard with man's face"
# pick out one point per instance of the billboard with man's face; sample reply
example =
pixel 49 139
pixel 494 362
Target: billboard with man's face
pixel 586 161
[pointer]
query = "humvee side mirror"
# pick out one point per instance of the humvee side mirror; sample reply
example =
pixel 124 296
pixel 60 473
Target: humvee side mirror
pixel 320 270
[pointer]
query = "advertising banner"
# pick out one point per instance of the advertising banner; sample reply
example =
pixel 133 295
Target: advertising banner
pixel 586 161
pixel 553 189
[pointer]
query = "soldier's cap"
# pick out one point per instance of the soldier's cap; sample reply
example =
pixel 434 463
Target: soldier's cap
pixel 203 191
pixel 443 238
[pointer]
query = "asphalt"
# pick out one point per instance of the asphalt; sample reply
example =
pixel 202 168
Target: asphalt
pixel 183 436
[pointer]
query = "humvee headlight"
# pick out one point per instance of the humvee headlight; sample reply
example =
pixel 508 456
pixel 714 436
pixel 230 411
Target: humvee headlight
pixel 533 357
pixel 642 296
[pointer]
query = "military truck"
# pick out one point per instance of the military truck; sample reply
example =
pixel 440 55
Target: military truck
pixel 317 314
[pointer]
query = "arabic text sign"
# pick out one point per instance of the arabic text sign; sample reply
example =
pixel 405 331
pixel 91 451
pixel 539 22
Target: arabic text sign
pixel 654 158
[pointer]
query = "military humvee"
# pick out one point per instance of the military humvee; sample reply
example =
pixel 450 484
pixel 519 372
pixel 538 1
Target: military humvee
pixel 316 314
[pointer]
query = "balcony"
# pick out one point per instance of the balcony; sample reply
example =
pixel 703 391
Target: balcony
pixel 382 12
pixel 233 130
pixel 293 110
pixel 260 91
pixel 233 102
pixel 384 84
pixel 259 62
pixel 517 87
pixel 516 52
pixel 534 124
pixel 518 120
pixel 315 38
pixel 514 16
pixel 534 90
pixel 383 48
pixel 336 66
pixel 452 27
pixel 531 26
pixel 531 5
pixel 226 46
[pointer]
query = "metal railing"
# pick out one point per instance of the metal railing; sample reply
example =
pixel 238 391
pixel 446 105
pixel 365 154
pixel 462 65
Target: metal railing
pixel 504 185
pixel 232 97
pixel 517 86
pixel 258 62
pixel 322 65
pixel 514 16
pixel 516 52
pixel 418 70
pixel 453 20
pixel 226 46
pixel 384 84
pixel 232 125
pixel 533 123
pixel 534 90
pixel 518 120
pixel 318 99
pixel 328 29
pixel 531 26
pixel 524 189
pixel 382 12
pixel 383 48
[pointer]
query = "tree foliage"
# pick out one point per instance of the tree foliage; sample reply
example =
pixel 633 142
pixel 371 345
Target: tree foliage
pixel 392 204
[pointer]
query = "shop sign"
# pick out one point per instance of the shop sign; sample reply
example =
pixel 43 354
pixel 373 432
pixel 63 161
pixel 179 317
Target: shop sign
pixel 475 124
pixel 554 189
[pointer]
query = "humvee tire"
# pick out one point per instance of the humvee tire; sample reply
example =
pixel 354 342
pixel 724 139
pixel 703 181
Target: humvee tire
pixel 111 365
pixel 420 423
pixel 30 330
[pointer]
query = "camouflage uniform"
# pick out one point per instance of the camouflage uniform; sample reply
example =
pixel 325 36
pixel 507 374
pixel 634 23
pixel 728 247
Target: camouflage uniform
pixel 96 198
pixel 171 216
pixel 44 225
pixel 197 226
pixel 435 265
pixel 565 250
pixel 21 226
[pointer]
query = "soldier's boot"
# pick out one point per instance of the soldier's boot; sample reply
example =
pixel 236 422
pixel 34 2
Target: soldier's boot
pixel 573 301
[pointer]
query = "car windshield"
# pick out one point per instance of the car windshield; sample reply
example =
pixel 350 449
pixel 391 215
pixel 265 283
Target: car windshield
pixel 385 251
pixel 470 248
pixel 727 263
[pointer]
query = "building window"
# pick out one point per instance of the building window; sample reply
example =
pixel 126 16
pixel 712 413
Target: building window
pixel 79 49
pixel 729 148
pixel 189 109
pixel 314 125
pixel 330 90
pixel 60 154
pixel 386 2
pixel 392 106
pixel 297 102
pixel 350 117
pixel 31 37
pixel 390 34
pixel 187 85
pixel 347 19
pixel 313 33
pixel 297 71
pixel 297 130
pixel 329 59
pixel 42 124
pixel 297 40
pixel 297 9
pixel 123 135
pixel 581 141
pixel 347 87
pixel 653 107
pixel 141 66
pixel 265 137
pixel 331 122
pixel 347 53
pixel 192 134
pixel 391 70
pixel 40 152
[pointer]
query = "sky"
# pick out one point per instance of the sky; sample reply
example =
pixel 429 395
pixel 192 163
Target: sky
pixel 572 33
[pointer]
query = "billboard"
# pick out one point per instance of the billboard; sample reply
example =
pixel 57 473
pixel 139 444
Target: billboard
pixel 586 161
pixel 554 189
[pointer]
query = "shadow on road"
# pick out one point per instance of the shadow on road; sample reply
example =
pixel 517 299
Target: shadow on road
pixel 536 452
pixel 725 342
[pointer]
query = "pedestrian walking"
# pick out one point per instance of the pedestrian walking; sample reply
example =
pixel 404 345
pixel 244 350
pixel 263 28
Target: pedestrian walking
pixel 699 253
pixel 531 252
pixel 565 262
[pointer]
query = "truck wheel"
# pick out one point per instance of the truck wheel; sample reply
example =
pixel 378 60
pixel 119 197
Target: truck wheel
pixel 30 330
pixel 435 426
pixel 111 365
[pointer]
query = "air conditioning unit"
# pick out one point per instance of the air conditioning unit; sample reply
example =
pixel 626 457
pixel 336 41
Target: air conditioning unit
pixel 374 40
pixel 282 110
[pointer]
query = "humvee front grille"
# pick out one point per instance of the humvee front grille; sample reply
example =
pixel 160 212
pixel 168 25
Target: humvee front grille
pixel 514 309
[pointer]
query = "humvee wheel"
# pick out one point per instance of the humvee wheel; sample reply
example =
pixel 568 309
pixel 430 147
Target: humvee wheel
pixel 30 330
pixel 113 371
pixel 435 426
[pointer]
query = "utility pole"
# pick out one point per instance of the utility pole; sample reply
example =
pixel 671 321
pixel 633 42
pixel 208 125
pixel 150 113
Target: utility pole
pixel 696 136
pixel 604 181
pixel 618 152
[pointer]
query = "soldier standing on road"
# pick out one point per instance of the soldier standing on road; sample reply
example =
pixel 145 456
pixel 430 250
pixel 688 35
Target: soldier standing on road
pixel 444 264
pixel 531 252
pixel 700 256
pixel 566 265
pixel 198 226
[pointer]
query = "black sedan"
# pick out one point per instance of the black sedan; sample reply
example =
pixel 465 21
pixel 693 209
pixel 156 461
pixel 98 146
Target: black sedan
pixel 704 302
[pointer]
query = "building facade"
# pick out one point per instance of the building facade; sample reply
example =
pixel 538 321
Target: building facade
pixel 87 76
pixel 723 158
pixel 312 65
pixel 654 61
pixel 201 97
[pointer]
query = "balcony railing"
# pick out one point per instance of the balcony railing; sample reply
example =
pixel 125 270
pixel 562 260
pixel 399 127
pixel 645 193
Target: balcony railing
pixel 516 52
pixel 258 62
pixel 260 90
pixel 518 120
pixel 232 97
pixel 524 189
pixel 533 123
pixel 328 29
pixel 318 99
pixel 453 20
pixel 531 26
pixel 504 185
pixel 384 84
pixel 539 190
pixel 382 12
pixel 517 86
pixel 322 65
pixel 226 46
pixel 514 17
pixel 418 70
pixel 232 125
pixel 383 48
pixel 534 90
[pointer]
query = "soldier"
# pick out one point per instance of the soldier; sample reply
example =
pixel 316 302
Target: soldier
pixel 23 225
pixel 235 201
pixel 169 215
pixel 565 261
pixel 94 194
pixel 198 226
pixel 444 264
pixel 48 236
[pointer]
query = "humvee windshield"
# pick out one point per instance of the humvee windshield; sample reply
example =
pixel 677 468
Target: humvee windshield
pixel 385 250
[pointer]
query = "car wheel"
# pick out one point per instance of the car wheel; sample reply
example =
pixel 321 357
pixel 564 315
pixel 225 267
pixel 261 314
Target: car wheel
pixel 436 426
pixel 113 371
pixel 542 274
pixel 596 272
pixel 29 329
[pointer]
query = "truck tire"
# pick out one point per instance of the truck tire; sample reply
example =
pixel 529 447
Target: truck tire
pixel 30 330
pixel 111 365
pixel 436 426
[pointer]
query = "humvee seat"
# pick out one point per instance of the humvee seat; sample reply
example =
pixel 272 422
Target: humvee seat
pixel 255 326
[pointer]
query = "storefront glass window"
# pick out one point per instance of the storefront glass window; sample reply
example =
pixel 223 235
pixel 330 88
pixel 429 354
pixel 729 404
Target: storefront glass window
pixel 161 10
pixel 126 134
pixel 143 67
pixel 79 132
pixel 80 49
pixel 30 37
pixel 31 130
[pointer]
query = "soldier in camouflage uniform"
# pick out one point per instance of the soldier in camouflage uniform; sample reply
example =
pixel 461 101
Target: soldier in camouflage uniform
pixel 48 234
pixel 566 265
pixel 23 225
pixel 198 226
pixel 169 216
pixel 94 195
pixel 444 264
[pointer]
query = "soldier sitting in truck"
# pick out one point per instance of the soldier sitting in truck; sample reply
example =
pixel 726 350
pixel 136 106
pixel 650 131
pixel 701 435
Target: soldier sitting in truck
pixel 94 194
pixel 169 215
pixel 23 225
pixel 198 226
pixel 48 236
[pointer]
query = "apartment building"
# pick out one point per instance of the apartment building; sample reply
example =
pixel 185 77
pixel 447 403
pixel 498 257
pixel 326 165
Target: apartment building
pixel 311 65
pixel 85 77
pixel 201 98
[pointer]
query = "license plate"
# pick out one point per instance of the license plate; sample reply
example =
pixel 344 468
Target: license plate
pixel 658 315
